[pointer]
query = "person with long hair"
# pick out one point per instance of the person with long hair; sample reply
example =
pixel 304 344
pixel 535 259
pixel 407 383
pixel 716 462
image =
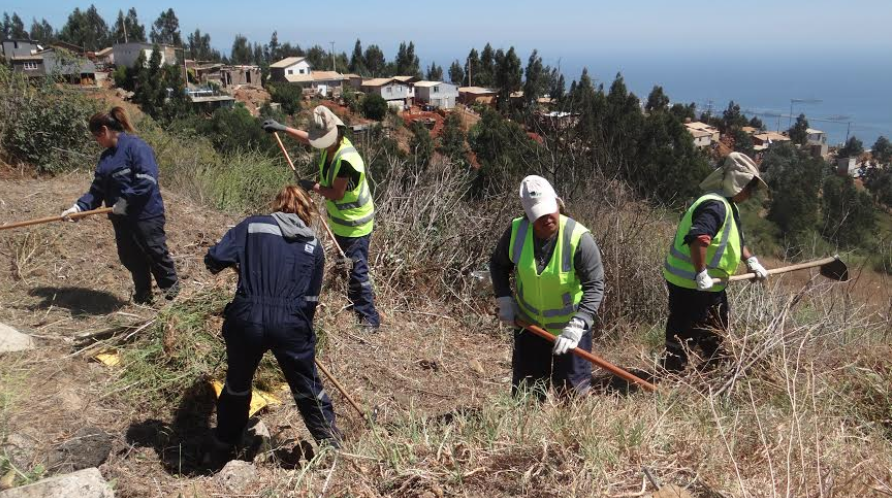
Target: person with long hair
pixel 126 179
pixel 280 263
pixel 343 181
pixel 559 286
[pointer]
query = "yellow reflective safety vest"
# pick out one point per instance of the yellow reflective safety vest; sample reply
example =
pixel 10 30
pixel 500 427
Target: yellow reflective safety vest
pixel 354 214
pixel 722 255
pixel 549 299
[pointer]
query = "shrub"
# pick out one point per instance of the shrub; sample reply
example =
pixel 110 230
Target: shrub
pixel 44 125
pixel 288 95
pixel 374 107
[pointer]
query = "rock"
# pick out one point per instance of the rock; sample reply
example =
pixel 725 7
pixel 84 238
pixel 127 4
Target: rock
pixel 235 476
pixel 20 450
pixel 87 483
pixel 13 340
pixel 89 447
pixel 668 491
pixel 257 442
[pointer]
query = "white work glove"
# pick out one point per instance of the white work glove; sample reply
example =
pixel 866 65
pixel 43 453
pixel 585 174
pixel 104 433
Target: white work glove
pixel 120 207
pixel 704 281
pixel 507 310
pixel 754 266
pixel 569 337
pixel 66 215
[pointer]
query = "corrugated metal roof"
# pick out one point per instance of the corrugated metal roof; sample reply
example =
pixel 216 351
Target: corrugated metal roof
pixel 327 76
pixel 476 90
pixel 406 79
pixel 426 84
pixel 812 131
pixel 299 78
pixel 287 62
pixel 377 81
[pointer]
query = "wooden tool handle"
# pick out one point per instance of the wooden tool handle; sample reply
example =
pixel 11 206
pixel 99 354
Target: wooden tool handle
pixel 324 223
pixel 50 219
pixel 341 389
pixel 615 370
pixel 783 269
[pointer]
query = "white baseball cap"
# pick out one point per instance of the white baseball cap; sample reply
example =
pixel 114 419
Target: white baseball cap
pixel 537 197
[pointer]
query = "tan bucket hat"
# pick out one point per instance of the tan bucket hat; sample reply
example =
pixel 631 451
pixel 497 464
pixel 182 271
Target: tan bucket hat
pixel 733 175
pixel 323 130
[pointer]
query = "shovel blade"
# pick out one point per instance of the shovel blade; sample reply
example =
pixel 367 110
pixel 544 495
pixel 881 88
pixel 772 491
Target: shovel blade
pixel 836 270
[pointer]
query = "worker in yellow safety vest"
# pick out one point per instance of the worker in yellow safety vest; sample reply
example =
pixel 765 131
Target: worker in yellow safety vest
pixel 343 181
pixel 559 282
pixel 708 244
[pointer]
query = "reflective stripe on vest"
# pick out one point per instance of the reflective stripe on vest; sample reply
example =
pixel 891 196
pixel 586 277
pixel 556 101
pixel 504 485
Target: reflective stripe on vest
pixel 354 214
pixel 549 299
pixel 724 251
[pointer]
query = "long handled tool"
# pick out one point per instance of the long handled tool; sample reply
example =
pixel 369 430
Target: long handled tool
pixel 334 241
pixel 50 219
pixel 595 360
pixel 368 416
pixel 832 268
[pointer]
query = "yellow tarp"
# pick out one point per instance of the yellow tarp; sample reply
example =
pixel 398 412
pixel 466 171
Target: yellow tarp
pixel 108 357
pixel 259 399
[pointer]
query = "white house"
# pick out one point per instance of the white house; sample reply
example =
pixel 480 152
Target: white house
pixel 817 141
pixel 848 166
pixel 289 66
pixel 702 138
pixel 395 92
pixel 436 93
pixel 125 54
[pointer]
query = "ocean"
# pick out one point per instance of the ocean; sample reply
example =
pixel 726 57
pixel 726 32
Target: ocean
pixel 855 92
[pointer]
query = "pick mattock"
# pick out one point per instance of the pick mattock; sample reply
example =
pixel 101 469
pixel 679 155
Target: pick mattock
pixel 343 260
pixel 595 360
pixel 50 219
pixel 832 268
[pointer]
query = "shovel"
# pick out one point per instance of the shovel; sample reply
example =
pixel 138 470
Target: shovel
pixel 832 268
pixel 50 219
pixel 595 360
pixel 343 261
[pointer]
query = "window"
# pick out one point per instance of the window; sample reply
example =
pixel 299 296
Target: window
pixel 290 71
pixel 302 71
pixel 436 89
pixel 390 89
pixel 30 66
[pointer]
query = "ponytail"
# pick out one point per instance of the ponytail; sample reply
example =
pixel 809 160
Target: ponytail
pixel 116 119
pixel 293 199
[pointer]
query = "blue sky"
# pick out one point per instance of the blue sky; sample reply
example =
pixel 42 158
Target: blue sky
pixel 446 30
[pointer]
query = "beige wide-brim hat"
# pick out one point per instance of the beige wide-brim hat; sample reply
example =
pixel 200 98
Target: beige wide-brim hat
pixel 323 132
pixel 733 175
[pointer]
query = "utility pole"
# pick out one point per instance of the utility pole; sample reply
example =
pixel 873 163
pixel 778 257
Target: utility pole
pixel 333 67
pixel 470 81
pixel 124 26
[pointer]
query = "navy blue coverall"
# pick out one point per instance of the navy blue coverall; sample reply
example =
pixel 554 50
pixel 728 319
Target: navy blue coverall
pixel 128 171
pixel 280 265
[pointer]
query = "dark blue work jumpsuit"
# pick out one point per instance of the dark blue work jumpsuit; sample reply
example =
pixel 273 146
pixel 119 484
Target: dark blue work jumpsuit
pixel 280 265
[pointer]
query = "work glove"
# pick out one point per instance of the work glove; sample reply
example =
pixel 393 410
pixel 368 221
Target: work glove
pixel 66 215
pixel 754 266
pixel 704 281
pixel 271 125
pixel 120 207
pixel 306 185
pixel 569 337
pixel 507 310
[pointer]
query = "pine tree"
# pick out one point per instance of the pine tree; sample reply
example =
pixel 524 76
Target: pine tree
pixel 166 29
pixel 456 73
pixel 799 131
pixel 535 83
pixel 272 48
pixel 42 31
pixel 374 60
pixel 241 51
pixel 452 140
pixel 472 69
pixel 86 29
pixel 357 61
pixel 434 72
pixel 657 101
pixel 129 24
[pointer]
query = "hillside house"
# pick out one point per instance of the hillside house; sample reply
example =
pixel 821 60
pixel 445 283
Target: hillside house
pixel 714 134
pixel 106 56
pixel 395 92
pixel 702 138
pixel 769 138
pixel 23 56
pixel 816 141
pixel 126 54
pixel 470 95
pixel 290 66
pixel 436 93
